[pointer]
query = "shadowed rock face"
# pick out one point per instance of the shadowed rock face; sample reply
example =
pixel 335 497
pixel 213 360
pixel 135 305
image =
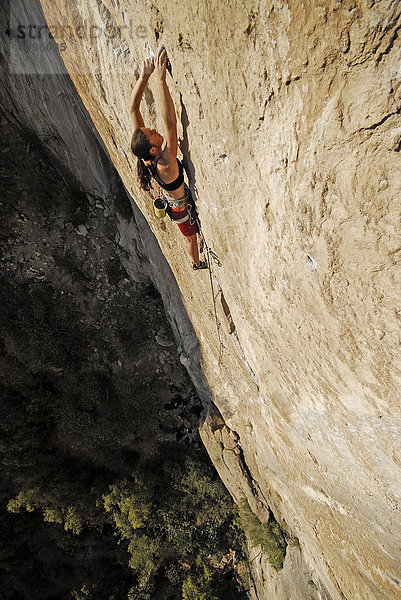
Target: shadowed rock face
pixel 289 125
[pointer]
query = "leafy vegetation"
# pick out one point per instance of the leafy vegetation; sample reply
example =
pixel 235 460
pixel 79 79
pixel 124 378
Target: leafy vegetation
pixel 173 520
pixel 178 520
pixel 269 535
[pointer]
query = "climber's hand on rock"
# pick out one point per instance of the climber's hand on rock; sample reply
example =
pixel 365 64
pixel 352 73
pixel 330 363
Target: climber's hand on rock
pixel 148 66
pixel 160 62
pixel 159 50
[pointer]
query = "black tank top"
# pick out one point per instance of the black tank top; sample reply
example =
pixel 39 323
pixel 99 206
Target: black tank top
pixel 174 185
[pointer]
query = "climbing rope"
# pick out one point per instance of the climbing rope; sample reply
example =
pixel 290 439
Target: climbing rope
pixel 214 296
pixel 211 256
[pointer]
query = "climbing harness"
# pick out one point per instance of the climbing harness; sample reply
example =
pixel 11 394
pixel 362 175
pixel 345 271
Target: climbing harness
pixel 171 205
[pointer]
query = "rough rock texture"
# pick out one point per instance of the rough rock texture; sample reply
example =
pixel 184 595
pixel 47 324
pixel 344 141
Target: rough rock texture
pixel 289 121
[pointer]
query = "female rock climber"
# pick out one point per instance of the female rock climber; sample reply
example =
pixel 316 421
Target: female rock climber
pixel 160 163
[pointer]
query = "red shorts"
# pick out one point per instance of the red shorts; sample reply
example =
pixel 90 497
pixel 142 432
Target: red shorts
pixel 187 228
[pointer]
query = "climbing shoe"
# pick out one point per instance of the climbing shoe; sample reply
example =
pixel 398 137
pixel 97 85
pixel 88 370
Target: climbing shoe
pixel 202 265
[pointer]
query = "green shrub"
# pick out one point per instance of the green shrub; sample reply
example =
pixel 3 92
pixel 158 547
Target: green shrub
pixel 199 587
pixel 130 505
pixel 268 535
pixel 51 505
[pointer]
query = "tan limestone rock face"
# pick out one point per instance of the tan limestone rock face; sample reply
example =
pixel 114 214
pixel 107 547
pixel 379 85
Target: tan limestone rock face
pixel 289 119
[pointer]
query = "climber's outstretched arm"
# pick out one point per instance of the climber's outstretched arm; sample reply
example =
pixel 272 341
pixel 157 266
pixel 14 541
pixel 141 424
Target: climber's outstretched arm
pixel 168 111
pixel 147 69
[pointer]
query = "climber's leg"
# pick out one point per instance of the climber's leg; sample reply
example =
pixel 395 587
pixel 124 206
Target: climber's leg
pixel 189 229
pixel 193 248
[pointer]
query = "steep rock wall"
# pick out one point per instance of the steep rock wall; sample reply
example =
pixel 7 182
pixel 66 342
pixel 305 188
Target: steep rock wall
pixel 290 130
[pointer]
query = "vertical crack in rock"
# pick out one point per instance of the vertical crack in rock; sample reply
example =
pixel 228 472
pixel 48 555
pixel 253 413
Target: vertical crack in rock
pixel 227 312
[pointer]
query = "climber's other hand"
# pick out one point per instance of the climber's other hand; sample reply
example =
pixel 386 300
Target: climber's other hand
pixel 159 50
pixel 148 66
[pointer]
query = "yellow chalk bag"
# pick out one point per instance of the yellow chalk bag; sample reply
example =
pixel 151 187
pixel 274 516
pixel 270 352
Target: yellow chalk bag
pixel 160 208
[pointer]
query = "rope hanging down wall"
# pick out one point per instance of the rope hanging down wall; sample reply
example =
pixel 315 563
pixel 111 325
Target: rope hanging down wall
pixel 211 258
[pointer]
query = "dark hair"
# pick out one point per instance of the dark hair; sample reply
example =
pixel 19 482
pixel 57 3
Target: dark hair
pixel 141 146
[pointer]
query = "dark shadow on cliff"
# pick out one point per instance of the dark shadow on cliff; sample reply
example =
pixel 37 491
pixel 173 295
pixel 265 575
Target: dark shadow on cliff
pixel 186 153
pixel 184 147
